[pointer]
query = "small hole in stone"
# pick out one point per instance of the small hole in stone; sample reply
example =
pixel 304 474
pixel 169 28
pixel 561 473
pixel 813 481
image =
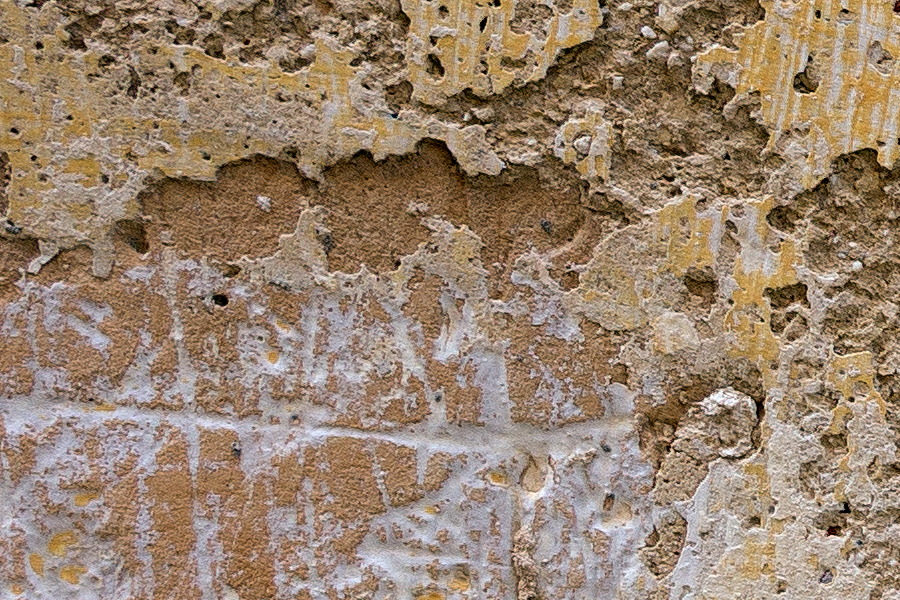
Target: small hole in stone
pixel 132 232
pixel 807 81
pixel 220 299
pixel 833 530
pixel 433 66
pixel 608 502
pixel 230 270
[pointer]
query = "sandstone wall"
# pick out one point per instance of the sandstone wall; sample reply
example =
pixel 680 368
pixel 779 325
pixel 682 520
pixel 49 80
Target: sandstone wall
pixel 449 299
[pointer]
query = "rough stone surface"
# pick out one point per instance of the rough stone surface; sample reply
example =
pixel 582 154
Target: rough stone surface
pixel 444 300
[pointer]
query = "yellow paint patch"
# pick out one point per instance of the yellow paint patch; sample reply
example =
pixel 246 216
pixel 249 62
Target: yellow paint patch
pixel 459 44
pixel 36 561
pixel 72 573
pixel 17 590
pixel 498 478
pixel 853 106
pixel 593 164
pixel 854 377
pixel 39 134
pixel 84 498
pixel 272 356
pixel 460 583
pixel 59 543
pixel 686 234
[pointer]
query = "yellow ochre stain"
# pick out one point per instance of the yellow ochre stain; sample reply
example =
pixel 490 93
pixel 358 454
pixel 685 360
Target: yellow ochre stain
pixel 59 543
pixel 37 563
pixel 84 498
pixel 852 110
pixel 498 478
pixel 72 573
pixel 460 584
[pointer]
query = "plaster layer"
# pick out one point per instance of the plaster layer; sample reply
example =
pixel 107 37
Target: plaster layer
pixel 448 300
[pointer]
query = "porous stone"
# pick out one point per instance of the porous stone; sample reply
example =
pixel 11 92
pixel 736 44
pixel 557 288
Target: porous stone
pixel 445 300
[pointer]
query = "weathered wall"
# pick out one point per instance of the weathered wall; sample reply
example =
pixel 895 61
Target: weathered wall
pixel 449 299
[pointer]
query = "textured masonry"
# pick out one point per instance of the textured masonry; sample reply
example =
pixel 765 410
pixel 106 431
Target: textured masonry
pixel 446 300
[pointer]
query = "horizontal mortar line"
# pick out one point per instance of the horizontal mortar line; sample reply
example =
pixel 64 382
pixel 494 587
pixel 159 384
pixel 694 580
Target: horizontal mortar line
pixel 424 433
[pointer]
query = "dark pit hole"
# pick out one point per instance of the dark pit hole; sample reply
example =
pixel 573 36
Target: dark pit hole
pixel 834 530
pixel 805 81
pixel 514 63
pixel 608 502
pixel 783 297
pixel 483 24
pixel 433 66
pixel 132 232
pixel 569 280
pixel 783 218
pixel 230 271
pixel 220 299
pixel 134 83
pixel 701 283
pixel 880 58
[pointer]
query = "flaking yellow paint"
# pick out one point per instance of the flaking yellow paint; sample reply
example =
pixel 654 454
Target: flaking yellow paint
pixel 60 542
pixel 854 105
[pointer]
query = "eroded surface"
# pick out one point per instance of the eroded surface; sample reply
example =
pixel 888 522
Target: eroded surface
pixel 446 300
